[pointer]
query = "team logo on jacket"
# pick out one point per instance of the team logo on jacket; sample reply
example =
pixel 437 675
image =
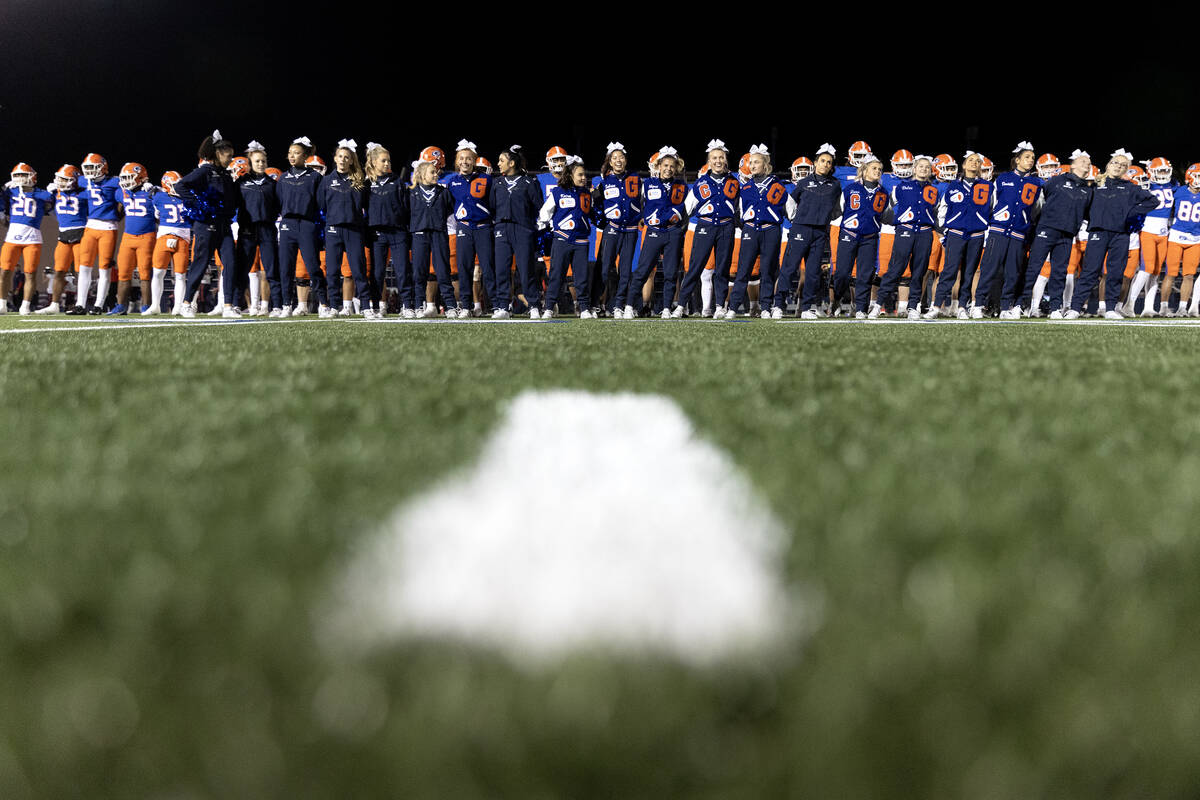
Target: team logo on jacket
pixel 611 193
pixel 653 193
pixel 566 201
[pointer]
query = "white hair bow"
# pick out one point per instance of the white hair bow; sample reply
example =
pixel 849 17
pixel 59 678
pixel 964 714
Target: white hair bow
pixel 255 146
pixel 349 144
pixel 930 158
pixel 759 150
pixel 869 158
pixel 614 146
pixel 373 146
pixel 827 148
pixel 668 151
pixel 416 164
pixel 1022 146
pixel 574 160
pixel 514 148
pixel 1122 152
pixel 1077 153
pixel 968 154
pixel 464 144
pixel 304 140
pixel 217 135
pixel 716 144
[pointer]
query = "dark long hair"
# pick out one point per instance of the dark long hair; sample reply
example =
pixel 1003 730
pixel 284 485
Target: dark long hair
pixel 209 147
pixel 565 181
pixel 606 167
pixel 518 158
pixel 1012 162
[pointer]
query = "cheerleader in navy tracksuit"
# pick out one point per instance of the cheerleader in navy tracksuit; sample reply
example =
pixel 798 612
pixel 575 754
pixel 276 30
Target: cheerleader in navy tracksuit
pixel 387 220
pixel 863 203
pixel 1116 204
pixel 299 228
pixel 515 200
pixel 664 214
pixel 211 199
pixel 256 229
pixel 475 231
pixel 429 206
pixel 343 197
pixel 915 202
pixel 569 214
pixel 764 204
pixel 1067 198
pixel 818 197
pixel 617 194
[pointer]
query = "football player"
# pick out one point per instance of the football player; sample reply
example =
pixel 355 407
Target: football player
pixel 26 206
pixel 99 241
pixel 1183 242
pixel 137 244
pixel 1153 236
pixel 71 211
pixel 172 245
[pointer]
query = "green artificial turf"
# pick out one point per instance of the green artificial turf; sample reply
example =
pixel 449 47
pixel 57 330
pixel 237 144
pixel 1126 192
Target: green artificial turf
pixel 993 532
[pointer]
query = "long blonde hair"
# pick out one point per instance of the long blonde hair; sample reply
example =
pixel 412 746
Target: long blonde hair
pixel 355 174
pixel 372 157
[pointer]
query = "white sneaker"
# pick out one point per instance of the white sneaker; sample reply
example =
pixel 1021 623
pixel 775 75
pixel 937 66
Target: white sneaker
pixel 976 312
pixel 229 312
pixel 371 315
pixel 677 313
pixel 1056 314
pixel 1072 314
pixel 275 313
pixel 730 314
pixel 534 313
pixel 428 311
pixel 706 313
pixel 764 314
pixel 962 313
pixel 50 309
pixel 876 308
pixel 809 314
pixel 585 314
pixel 1113 315
pixel 1149 311
pixel 408 313
pixel 150 311
pixel 501 313
pixel 188 311
pixel 216 312
pixel 26 309
pixel 548 314
pixel 666 314
pixel 776 313
pixel 860 315
pixel 355 306
pixel 325 312
pixel 255 311
pixel 301 310
pixel 719 312
pixel 915 314
pixel 464 313
pixel 631 314
pixel 618 313
pixel 932 313
pixel 344 311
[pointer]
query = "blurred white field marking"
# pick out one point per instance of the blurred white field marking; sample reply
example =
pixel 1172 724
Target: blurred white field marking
pixel 589 522
pixel 113 326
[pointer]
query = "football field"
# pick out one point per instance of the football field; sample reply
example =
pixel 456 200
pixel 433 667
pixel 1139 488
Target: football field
pixel 988 576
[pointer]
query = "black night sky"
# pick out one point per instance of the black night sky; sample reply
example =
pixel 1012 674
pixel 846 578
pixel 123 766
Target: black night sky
pixel 135 80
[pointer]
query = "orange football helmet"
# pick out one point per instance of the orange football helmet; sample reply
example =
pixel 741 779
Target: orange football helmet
pixel 66 178
pixel 1160 170
pixel 987 169
pixel 275 172
pixel 24 176
pixel 902 164
pixel 483 164
pixel 858 152
pixel 1192 175
pixel 239 167
pixel 1048 165
pixel 945 167
pixel 801 168
pixel 703 170
pixel 556 159
pixel 132 176
pixel 94 166
pixel 434 155
pixel 744 166
pixel 316 162
pixel 653 163
pixel 168 181
pixel 1093 173
pixel 1136 174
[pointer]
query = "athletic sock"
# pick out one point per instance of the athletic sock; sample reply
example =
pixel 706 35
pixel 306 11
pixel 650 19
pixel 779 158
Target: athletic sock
pixel 157 279
pixel 85 284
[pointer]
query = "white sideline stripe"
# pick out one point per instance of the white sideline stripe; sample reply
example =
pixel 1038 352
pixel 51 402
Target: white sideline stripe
pixel 1164 323
pixel 514 553
pixel 113 326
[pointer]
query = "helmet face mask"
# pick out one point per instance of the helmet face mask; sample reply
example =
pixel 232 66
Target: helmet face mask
pixel 945 167
pixel 801 168
pixel 317 163
pixel 858 153
pixel 1047 166
pixel 1193 177
pixel 168 182
pixel 63 183
pixel 23 176
pixel 987 169
pixel 95 166
pixel 132 175
pixel 1160 170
